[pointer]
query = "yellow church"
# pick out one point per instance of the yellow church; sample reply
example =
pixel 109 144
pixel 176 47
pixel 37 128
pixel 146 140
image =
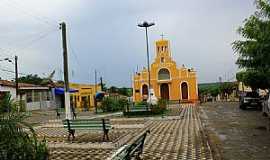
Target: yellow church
pixel 169 81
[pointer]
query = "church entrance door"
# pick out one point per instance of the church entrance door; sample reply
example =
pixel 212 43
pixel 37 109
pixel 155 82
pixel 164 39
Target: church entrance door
pixel 164 91
pixel 184 89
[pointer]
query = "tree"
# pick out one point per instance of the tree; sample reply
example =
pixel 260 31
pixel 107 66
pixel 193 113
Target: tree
pixel 227 87
pixel 32 79
pixel 254 79
pixel 113 89
pixel 254 49
pixel 125 91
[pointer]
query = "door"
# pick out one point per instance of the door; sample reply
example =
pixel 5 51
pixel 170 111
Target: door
pixel 184 89
pixel 164 91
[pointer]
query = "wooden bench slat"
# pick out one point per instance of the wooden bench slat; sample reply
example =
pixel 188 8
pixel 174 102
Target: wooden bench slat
pixel 85 122
pixel 87 125
pixel 129 151
pixel 87 128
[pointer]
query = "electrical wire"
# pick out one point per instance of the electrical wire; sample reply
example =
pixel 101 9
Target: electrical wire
pixel 19 8
pixel 40 37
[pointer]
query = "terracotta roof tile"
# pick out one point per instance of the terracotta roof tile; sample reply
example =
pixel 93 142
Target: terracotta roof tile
pixel 12 84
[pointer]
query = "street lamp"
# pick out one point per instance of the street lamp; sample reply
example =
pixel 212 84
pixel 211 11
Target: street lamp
pixel 16 73
pixel 145 25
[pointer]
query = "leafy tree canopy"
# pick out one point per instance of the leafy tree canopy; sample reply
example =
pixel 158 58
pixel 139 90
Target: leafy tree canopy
pixel 253 50
pixel 32 79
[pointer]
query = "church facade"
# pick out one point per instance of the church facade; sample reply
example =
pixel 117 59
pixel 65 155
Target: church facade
pixel 167 79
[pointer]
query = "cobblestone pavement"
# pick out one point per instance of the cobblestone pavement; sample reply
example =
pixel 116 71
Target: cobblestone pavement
pixel 176 136
pixel 237 134
pixel 177 139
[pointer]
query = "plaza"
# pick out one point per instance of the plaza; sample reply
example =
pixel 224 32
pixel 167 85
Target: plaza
pixel 178 135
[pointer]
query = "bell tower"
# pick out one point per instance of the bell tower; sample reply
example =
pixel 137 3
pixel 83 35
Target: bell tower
pixel 163 52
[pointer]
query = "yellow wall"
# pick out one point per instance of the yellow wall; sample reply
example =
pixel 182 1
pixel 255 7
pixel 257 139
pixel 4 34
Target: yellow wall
pixel 178 75
pixel 84 96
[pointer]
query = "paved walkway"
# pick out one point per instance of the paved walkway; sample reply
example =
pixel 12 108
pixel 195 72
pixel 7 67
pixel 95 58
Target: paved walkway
pixel 179 136
pixel 177 139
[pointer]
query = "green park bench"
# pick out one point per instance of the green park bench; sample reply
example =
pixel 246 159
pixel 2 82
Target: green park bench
pixel 138 108
pixel 127 152
pixel 27 113
pixel 87 124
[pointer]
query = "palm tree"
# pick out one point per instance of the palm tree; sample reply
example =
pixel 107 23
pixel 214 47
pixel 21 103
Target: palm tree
pixel 18 139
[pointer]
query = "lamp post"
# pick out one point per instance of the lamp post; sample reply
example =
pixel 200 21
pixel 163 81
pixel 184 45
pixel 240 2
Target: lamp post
pixel 16 73
pixel 145 25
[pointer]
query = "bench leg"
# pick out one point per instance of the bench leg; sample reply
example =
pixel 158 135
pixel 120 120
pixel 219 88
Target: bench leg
pixel 74 115
pixel 105 135
pixel 71 132
pixel 58 115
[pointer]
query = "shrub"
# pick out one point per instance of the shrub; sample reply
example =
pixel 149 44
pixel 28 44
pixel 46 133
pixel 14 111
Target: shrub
pixel 6 104
pixel 109 104
pixel 160 108
pixel 15 142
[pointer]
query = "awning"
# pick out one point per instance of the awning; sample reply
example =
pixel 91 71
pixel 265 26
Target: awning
pixel 100 95
pixel 61 91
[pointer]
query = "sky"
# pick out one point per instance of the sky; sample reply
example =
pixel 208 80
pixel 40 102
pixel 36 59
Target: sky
pixel 103 36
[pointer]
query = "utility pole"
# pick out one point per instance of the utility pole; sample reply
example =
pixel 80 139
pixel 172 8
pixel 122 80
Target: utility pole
pixel 65 58
pixel 101 83
pixel 16 83
pixel 95 91
pixel 16 77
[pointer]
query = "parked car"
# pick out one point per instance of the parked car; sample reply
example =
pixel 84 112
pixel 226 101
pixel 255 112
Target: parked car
pixel 251 99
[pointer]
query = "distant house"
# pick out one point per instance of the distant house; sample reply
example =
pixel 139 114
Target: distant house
pixel 33 97
pixel 81 96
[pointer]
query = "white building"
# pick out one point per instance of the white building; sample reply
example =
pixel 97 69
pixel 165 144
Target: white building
pixel 33 97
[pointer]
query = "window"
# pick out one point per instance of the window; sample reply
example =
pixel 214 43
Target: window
pixel 163 74
pixel 162 60
pixel 137 91
pixel 36 97
pixel 29 97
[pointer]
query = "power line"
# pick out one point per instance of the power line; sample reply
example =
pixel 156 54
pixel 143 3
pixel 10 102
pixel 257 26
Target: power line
pixel 31 14
pixel 28 44
pixel 9 71
pixel 73 51
pixel 40 37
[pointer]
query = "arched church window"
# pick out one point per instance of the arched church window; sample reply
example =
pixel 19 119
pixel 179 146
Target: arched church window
pixel 162 60
pixel 163 74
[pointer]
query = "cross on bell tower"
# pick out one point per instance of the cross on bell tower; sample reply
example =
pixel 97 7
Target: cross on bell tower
pixel 162 36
